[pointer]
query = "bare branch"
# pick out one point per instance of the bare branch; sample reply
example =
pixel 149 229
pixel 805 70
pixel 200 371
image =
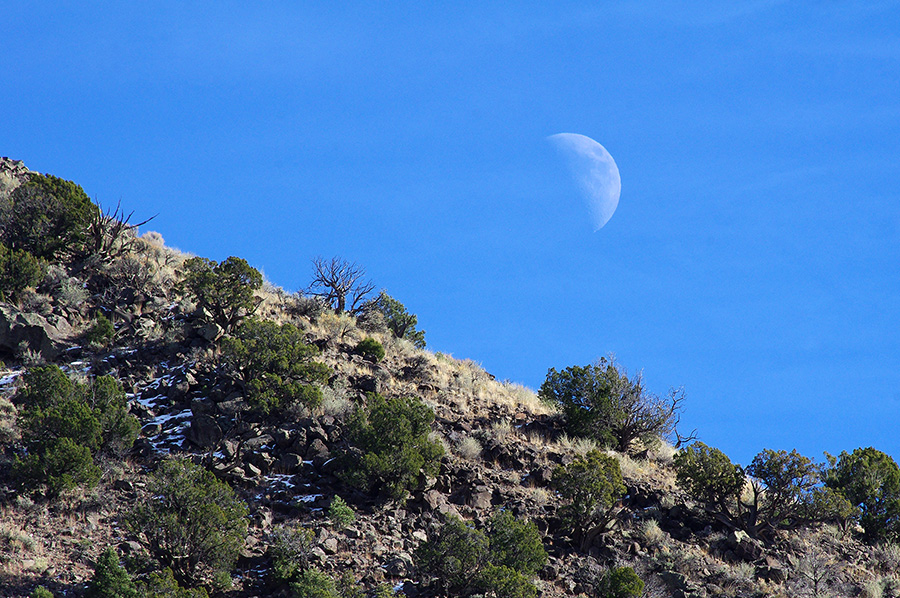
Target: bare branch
pixel 110 232
pixel 341 283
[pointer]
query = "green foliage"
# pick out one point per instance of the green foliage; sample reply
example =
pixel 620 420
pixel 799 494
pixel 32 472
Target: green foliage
pixel 101 332
pixel 400 322
pixel 18 271
pixel 118 428
pixel 501 562
pixel 455 557
pixel 870 480
pixel 162 584
pixel 225 289
pixel 709 476
pixel 620 582
pixel 505 582
pixel 60 466
pixel 41 592
pixel 515 544
pixel 392 447
pixel 592 485
pixel 384 591
pixel 599 401
pixel 110 579
pixel 348 588
pixel 64 423
pixel 314 584
pixel 340 513
pixel 290 552
pixel 370 349
pixel 192 522
pixel 784 490
pixel 47 216
pixel 275 365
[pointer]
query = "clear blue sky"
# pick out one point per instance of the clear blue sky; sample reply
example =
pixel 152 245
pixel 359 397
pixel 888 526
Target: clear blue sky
pixel 753 257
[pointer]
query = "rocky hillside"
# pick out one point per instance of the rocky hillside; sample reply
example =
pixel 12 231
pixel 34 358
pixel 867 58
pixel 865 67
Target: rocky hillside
pixel 501 449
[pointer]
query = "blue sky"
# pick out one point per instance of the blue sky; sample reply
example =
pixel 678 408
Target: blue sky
pixel 753 257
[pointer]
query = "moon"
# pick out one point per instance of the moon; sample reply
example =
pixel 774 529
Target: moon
pixel 595 171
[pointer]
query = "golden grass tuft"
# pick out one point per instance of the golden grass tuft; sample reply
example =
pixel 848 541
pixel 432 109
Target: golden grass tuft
pixel 468 448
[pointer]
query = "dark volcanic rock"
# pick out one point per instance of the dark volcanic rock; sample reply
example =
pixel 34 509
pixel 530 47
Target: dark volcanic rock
pixel 204 431
pixel 20 330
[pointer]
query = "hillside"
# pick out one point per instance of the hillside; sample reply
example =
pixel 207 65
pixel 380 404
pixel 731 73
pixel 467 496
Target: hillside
pixel 133 309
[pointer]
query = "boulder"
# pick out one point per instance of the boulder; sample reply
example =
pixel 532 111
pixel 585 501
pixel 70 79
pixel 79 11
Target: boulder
pixel 480 497
pixel 203 431
pixel 210 331
pixel 290 463
pixel 20 330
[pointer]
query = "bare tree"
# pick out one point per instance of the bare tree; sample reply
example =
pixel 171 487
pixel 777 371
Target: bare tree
pixel 814 573
pixel 111 234
pixel 340 283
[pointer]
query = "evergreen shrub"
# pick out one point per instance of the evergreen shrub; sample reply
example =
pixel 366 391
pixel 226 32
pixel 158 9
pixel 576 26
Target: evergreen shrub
pixel 370 349
pixel 391 447
pixel 192 522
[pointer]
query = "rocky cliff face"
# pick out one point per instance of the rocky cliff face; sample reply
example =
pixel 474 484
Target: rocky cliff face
pixel 12 174
pixel 502 446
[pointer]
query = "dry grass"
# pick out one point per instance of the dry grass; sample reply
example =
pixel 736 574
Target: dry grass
pixel 578 445
pixel 652 534
pixel 540 496
pixel 663 453
pixel 873 588
pixel 501 429
pixel 468 448
pixel 888 556
pixel 335 402
pixel 9 432
pixel 337 328
pixel 437 436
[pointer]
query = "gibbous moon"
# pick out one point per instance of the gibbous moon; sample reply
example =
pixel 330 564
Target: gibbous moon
pixel 595 171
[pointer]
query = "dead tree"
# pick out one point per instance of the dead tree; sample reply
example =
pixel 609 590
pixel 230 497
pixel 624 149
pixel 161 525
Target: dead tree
pixel 340 283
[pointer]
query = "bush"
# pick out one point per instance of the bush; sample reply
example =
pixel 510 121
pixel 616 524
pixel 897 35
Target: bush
pixel 110 579
pixel 515 544
pixel 599 401
pixel 391 446
pixel 118 428
pixel 370 349
pixel 274 365
pixel 401 323
pixel 41 592
pixel 61 465
pixel 314 584
pixel 870 480
pixel 455 557
pixel 18 271
pixel 505 582
pixel 290 552
pixel 592 486
pixel 47 216
pixel 340 513
pixel 784 490
pixel 620 582
pixel 64 423
pixel 501 562
pixel 162 584
pixel 708 475
pixel 192 522
pixel 101 332
pixel 225 289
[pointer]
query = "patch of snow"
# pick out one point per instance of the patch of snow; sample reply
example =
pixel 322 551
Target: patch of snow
pixel 309 497
pixel 9 378
pixel 167 417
